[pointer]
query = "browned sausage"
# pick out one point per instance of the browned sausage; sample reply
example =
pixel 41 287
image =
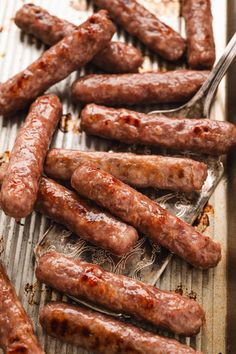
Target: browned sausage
pixel 144 25
pixel 103 334
pixel 16 330
pixel 116 57
pixel 200 39
pixel 119 293
pixel 201 135
pixel 141 171
pixel 81 217
pixel 146 215
pixel 37 21
pixel 72 52
pixel 78 215
pixel 21 182
pixel 143 88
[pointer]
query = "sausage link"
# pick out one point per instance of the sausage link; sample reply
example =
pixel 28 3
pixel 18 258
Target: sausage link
pixel 119 293
pixel 144 25
pixel 20 185
pixel 103 334
pixel 85 220
pixel 119 58
pixel 200 38
pixel 116 57
pixel 142 88
pixel 146 216
pixel 201 135
pixel 81 217
pixel 141 171
pixel 40 23
pixel 16 330
pixel 55 64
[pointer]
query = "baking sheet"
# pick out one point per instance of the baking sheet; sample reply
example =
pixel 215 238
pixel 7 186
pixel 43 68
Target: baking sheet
pixel 18 240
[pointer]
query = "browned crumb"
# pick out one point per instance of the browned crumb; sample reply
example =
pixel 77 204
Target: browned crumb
pixel 68 124
pixel 192 295
pixel 31 290
pixel 184 291
pixel 203 221
pixel 179 290
pixel 4 158
pixel 1 244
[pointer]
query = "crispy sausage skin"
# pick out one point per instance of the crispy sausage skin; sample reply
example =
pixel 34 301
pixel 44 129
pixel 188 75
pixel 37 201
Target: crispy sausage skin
pixel 144 25
pixel 21 182
pixel 55 64
pixel 16 330
pixel 200 38
pixel 141 171
pixel 103 334
pixel 141 88
pixel 116 57
pixel 201 135
pixel 119 293
pixel 81 217
pixel 146 216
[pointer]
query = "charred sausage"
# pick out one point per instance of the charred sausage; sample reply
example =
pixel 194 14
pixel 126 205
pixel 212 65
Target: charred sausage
pixel 21 182
pixel 81 217
pixel 144 25
pixel 119 293
pixel 72 52
pixel 201 135
pixel 103 334
pixel 137 170
pixel 200 38
pixel 116 57
pixel 146 216
pixel 16 330
pixel 142 88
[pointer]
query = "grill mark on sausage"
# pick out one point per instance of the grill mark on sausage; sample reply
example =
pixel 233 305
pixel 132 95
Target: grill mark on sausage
pixel 200 135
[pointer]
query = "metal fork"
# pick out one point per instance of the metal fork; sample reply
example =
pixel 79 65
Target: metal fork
pixel 199 105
